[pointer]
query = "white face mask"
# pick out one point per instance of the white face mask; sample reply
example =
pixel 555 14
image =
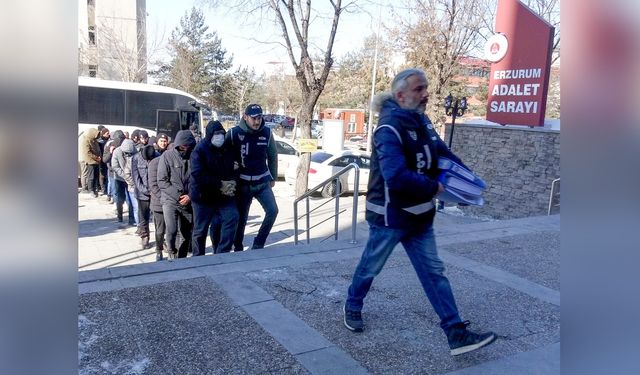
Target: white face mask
pixel 217 140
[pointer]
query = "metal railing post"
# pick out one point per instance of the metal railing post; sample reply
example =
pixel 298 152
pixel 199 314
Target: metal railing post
pixel 308 222
pixel 354 218
pixel 336 179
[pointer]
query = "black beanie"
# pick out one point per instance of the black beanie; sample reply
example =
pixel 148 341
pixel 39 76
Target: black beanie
pixel 148 152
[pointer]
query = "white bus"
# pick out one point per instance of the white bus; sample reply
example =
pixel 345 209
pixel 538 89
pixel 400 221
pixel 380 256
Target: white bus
pixel 129 106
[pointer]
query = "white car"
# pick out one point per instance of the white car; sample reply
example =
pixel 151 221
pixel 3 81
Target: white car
pixel 325 164
pixel 287 154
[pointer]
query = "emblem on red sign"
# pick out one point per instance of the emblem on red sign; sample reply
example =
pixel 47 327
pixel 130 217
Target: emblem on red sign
pixel 496 48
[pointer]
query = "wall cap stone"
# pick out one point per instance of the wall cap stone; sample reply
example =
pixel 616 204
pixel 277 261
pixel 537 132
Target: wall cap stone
pixel 540 129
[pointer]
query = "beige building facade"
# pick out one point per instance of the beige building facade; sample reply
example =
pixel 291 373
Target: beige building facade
pixel 112 41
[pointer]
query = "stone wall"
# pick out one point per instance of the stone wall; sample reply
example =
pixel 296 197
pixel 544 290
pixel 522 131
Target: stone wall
pixel 518 164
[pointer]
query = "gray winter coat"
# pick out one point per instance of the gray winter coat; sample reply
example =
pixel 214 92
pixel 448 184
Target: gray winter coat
pixel 121 162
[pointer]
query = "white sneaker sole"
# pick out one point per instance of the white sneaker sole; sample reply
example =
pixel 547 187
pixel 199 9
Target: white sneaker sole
pixel 470 348
pixel 344 320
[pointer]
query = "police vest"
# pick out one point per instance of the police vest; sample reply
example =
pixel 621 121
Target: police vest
pixel 252 147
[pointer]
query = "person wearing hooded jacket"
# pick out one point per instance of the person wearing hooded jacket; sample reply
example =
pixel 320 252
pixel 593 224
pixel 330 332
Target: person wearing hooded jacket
pixel 212 189
pixel 400 208
pixel 91 157
pixel 254 149
pixel 116 140
pixel 155 200
pixel 173 181
pixel 140 172
pixel 121 162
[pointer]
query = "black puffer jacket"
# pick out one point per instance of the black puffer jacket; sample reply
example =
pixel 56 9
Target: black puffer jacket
pixel 209 166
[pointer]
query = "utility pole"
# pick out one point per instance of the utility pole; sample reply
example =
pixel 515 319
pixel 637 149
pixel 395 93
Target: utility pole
pixel 373 84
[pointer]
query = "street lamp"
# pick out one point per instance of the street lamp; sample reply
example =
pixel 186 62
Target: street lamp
pixel 454 107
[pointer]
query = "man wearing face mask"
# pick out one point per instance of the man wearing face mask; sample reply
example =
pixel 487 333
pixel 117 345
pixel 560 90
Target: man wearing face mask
pixel 212 189
pixel 255 151
pixel 173 181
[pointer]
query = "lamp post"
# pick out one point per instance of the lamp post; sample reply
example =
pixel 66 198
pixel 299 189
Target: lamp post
pixel 454 107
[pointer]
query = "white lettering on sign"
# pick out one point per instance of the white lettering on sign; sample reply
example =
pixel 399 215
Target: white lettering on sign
pixel 516 90
pixel 517 73
pixel 514 107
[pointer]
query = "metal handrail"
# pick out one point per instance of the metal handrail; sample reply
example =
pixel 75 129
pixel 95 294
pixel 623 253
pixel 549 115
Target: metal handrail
pixel 552 195
pixel 308 193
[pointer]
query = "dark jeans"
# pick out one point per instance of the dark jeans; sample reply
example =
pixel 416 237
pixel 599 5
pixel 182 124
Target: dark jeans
pixel 158 222
pixel 223 221
pixel 263 193
pixel 178 219
pixel 93 178
pixel 104 179
pixel 144 213
pixel 420 246
pixel 120 198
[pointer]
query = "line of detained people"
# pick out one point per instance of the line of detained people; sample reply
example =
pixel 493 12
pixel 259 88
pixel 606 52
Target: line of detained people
pixel 192 189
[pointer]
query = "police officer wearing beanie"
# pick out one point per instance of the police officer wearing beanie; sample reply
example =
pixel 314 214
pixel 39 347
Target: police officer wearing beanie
pixel 254 150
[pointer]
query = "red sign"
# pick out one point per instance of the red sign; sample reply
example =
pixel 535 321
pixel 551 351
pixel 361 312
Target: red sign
pixel 520 53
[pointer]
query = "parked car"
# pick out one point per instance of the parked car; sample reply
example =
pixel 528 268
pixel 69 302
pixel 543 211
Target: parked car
pixel 287 154
pixel 325 164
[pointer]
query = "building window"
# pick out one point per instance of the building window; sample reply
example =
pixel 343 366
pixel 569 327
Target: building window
pixel 352 117
pixel 92 35
pixel 352 126
pixel 93 71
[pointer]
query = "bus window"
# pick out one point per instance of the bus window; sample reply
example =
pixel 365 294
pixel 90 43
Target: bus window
pixel 141 107
pixel 189 118
pixel 168 122
pixel 101 106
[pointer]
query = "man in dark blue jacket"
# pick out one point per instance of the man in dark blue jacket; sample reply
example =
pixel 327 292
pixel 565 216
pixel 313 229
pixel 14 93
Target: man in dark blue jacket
pixel 255 152
pixel 400 207
pixel 212 189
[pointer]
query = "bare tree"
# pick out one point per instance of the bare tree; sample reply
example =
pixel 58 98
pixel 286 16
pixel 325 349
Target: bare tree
pixel 294 19
pixel 120 51
pixel 434 37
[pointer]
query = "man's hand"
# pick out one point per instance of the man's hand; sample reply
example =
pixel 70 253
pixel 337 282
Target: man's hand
pixel 440 188
pixel 272 183
pixel 184 200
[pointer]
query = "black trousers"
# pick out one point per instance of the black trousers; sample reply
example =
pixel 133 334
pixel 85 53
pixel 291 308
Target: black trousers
pixel 178 219
pixel 93 178
pixel 144 213
pixel 158 222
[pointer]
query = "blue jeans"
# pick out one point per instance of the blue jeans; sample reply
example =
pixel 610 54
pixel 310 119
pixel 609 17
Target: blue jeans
pixel 132 202
pixel 420 246
pixel 111 185
pixel 223 221
pixel 263 193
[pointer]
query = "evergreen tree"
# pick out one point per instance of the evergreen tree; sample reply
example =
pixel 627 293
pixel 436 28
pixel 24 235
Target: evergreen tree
pixel 198 62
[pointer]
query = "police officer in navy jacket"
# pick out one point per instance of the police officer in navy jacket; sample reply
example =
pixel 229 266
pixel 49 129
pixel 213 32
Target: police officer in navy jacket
pixel 255 152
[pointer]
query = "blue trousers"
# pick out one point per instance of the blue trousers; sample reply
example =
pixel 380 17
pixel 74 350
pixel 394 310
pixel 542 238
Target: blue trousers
pixel 420 246
pixel 220 220
pixel 263 193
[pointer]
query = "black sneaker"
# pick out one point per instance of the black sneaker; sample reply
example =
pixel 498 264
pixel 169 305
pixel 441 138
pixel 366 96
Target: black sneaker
pixel 463 341
pixel 353 320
